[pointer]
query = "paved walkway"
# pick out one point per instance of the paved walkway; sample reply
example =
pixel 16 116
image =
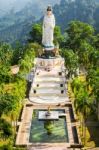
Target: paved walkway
pixel 49 146
pixel 24 128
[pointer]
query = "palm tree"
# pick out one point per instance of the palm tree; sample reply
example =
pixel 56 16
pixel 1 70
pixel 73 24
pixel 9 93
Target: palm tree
pixel 82 106
pixel 81 102
pixel 93 82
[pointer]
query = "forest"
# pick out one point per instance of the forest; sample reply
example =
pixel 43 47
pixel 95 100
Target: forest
pixel 81 10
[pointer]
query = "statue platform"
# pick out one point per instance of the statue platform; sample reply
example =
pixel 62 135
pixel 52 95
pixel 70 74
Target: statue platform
pixel 54 62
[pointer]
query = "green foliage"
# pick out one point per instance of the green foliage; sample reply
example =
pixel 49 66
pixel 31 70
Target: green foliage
pixel 17 53
pixel 77 84
pixel 6 54
pixel 58 38
pixel 93 81
pixel 78 32
pixel 71 60
pixel 7 103
pixel 13 87
pixel 80 10
pixel 83 41
pixel 36 34
pixel 82 101
pixel 96 41
pixel 6 147
pixel 36 48
pixel 85 53
pixel 5 129
pixel 26 63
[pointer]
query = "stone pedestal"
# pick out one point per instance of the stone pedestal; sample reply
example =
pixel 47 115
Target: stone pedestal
pixel 53 115
pixel 49 63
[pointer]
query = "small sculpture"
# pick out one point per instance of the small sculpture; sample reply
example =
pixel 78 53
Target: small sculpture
pixel 48 113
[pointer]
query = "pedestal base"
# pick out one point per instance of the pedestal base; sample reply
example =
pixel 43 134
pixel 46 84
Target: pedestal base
pixel 56 62
pixel 53 115
pixel 48 54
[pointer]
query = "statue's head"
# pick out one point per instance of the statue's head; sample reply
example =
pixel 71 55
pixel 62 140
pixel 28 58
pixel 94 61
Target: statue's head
pixel 49 10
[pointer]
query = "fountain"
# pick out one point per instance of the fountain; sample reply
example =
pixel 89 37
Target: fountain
pixel 48 115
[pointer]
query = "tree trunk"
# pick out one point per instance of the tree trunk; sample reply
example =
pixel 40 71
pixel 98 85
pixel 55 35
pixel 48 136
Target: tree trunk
pixel 84 132
pixel 81 123
pixel 85 119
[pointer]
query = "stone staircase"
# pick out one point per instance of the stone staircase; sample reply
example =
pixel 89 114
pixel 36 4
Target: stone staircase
pixel 49 86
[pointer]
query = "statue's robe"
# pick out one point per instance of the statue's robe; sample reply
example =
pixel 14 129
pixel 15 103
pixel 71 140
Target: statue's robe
pixel 48 31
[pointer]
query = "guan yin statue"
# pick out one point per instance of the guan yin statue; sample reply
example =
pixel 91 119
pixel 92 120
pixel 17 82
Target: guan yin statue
pixel 48 30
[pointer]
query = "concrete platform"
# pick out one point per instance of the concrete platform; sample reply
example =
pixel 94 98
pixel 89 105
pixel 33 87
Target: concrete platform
pixel 52 62
pixel 53 100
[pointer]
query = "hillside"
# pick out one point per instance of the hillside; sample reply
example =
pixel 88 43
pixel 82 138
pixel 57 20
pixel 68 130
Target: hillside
pixel 20 16
pixel 83 10
pixel 17 5
pixel 16 25
pixel 18 32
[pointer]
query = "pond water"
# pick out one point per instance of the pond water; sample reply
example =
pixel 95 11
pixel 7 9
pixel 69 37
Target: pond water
pixel 48 131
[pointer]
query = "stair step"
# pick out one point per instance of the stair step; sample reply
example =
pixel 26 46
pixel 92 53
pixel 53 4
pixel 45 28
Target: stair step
pixel 50 99
pixel 51 79
pixel 50 90
pixel 54 71
pixel 50 75
pixel 47 94
pixel 48 84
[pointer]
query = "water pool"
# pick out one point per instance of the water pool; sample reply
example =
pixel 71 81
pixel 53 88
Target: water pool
pixel 48 131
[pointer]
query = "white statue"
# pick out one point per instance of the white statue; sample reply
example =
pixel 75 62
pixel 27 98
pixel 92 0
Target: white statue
pixel 48 29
